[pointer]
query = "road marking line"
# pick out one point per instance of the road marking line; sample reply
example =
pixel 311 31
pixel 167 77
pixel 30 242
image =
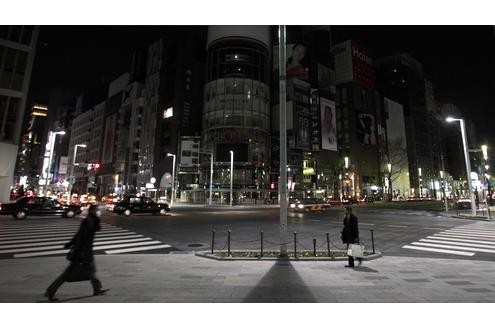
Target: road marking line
pixel 370 224
pixel 154 242
pixel 127 250
pixel 3 229
pixel 396 226
pixel 121 236
pixel 9 248
pixel 455 247
pixel 463 236
pixel 439 250
pixel 31 249
pixel 473 232
pixel 64 251
pixel 468 229
pixel 456 243
pixel 53 231
pixel 65 235
pixel 460 239
pixel 314 220
pixel 433 229
pixel 467 235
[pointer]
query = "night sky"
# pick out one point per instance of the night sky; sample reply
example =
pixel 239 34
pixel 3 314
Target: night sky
pixel 459 60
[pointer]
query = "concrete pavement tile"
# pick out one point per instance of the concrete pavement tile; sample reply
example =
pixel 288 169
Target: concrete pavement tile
pixel 459 283
pixel 478 290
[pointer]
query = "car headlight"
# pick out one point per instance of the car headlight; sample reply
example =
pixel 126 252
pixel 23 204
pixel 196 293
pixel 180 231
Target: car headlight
pixel 300 206
pixel 292 205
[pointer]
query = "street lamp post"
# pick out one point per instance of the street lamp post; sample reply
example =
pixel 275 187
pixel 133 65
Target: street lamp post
pixel 467 160
pixel 52 144
pixel 211 173
pixel 282 182
pixel 71 176
pixel 231 174
pixel 173 179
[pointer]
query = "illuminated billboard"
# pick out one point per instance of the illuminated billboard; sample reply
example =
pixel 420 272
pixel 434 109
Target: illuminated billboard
pixel 328 125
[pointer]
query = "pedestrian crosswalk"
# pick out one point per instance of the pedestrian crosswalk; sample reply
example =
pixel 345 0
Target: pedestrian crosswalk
pixel 34 240
pixel 457 241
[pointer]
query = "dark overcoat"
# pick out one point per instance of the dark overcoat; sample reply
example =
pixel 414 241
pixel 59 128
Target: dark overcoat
pixel 350 233
pixel 82 242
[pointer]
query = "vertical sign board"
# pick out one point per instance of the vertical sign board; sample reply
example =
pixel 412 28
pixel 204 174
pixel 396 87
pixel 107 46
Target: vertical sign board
pixel 108 141
pixel 328 125
pixel 315 124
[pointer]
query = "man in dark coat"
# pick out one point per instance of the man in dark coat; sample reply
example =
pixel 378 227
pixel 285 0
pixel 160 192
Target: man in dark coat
pixel 81 252
pixel 350 233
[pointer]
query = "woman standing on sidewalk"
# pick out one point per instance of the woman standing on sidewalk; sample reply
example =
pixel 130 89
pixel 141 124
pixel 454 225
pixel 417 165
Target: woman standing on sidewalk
pixel 350 233
pixel 81 255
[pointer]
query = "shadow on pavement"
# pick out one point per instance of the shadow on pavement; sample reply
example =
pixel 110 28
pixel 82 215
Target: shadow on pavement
pixel 66 299
pixel 365 269
pixel 281 284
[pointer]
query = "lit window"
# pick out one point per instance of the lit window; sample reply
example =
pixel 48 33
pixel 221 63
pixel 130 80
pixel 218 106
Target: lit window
pixel 169 112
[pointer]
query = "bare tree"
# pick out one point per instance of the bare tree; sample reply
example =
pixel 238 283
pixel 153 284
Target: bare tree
pixel 397 157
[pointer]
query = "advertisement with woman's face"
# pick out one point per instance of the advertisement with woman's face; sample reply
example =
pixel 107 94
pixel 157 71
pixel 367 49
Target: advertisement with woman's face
pixel 328 125
pixel 296 61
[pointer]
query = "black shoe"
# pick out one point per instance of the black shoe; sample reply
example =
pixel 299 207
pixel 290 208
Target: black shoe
pixel 360 261
pixel 100 292
pixel 349 266
pixel 50 297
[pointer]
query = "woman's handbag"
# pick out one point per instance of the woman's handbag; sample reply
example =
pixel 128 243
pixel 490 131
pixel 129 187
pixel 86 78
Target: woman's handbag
pixel 79 271
pixel 355 250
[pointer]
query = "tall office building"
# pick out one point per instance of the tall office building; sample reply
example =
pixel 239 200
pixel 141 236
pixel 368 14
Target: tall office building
pixel 401 79
pixel 17 47
pixel 236 111
pixel 360 123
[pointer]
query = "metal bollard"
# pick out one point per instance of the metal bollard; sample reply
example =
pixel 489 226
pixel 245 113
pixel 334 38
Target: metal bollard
pixel 328 244
pixel 372 241
pixel 228 243
pixel 295 244
pixel 261 254
pixel 212 240
pixel 314 247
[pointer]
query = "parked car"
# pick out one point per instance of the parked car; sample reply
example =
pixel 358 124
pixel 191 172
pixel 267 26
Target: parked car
pixel 38 206
pixel 140 204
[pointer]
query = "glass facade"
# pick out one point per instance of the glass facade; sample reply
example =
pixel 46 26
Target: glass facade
pixel 236 112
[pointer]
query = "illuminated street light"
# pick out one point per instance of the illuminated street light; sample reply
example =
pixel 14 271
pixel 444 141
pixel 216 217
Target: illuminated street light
pixel 467 160
pixel 231 174
pixel 173 178
pixel 71 176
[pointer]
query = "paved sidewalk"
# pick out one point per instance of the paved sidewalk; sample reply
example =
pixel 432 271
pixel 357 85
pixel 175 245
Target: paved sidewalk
pixel 189 278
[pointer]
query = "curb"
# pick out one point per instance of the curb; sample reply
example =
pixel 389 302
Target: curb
pixel 208 255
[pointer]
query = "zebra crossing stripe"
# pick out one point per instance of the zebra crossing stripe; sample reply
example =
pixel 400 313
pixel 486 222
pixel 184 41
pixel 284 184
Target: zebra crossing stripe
pixel 64 251
pixel 456 243
pixel 102 241
pixel 455 247
pixel 107 234
pixel 35 233
pixel 3 229
pixel 60 239
pixel 466 235
pixel 136 249
pixel 476 233
pixel 461 239
pixel 463 236
pixel 436 250
pixel 480 230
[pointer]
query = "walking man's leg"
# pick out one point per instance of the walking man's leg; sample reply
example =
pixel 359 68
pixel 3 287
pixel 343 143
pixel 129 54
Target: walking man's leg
pixel 55 285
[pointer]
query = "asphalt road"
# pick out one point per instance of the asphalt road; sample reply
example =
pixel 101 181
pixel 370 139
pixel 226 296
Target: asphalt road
pixel 190 228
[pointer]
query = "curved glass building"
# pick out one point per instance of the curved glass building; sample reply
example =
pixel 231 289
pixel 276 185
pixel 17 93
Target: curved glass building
pixel 236 111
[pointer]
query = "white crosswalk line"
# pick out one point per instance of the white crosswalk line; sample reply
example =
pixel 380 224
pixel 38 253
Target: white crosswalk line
pixel 64 235
pixel 136 249
pixel 3 231
pixel 436 250
pixel 452 234
pixel 11 248
pixel 154 242
pixel 30 233
pixel 49 241
pixel 462 239
pixel 475 233
pixel 75 226
pixel 455 243
pixel 475 230
pixel 47 238
pixel 455 247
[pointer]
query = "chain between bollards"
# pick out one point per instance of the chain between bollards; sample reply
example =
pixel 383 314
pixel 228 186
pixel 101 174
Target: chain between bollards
pixel 372 241
pixel 295 244
pixel 212 240
pixel 314 247
pixel 228 242
pixel 261 235
pixel 328 244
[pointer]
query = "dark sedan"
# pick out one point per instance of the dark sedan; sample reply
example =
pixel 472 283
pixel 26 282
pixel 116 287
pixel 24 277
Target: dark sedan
pixel 38 206
pixel 140 204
